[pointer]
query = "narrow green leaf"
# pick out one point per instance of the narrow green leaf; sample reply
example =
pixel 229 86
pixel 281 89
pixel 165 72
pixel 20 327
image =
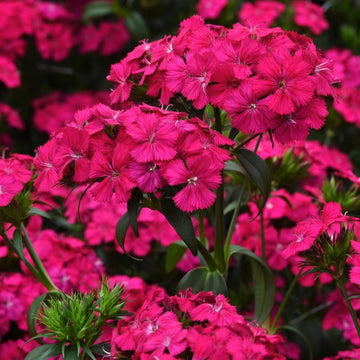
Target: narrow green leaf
pixel 71 353
pixel 264 282
pixel 233 133
pixel 258 172
pixel 120 233
pixel 18 243
pixel 89 352
pixel 44 352
pixel 33 314
pixel 202 279
pixel 137 26
pixel 181 222
pixel 101 348
pixel 97 9
pixel 298 332
pixel 36 211
pixel 133 208
pixel 174 253
pixel 232 166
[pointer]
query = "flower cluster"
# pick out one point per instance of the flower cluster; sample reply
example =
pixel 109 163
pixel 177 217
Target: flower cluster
pixel 266 79
pixel 201 325
pixel 56 31
pixel 145 147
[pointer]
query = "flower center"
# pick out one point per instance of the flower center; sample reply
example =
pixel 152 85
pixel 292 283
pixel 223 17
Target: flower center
pixel 192 180
pixel 252 106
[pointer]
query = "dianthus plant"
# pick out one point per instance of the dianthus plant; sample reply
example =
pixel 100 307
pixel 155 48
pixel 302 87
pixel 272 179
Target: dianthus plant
pixel 182 110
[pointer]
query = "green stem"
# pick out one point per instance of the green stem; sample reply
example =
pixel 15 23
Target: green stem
pixel 207 257
pixel 219 212
pixel 273 327
pixel 238 206
pixel 234 219
pixel 262 235
pixel 341 286
pixel 43 275
pixel 202 228
pixel 246 141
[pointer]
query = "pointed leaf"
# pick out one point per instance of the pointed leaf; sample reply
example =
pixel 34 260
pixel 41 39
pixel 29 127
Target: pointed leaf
pixel 232 166
pixel 137 26
pixel 18 244
pixel 264 282
pixel 133 209
pixel 71 353
pixel 33 314
pixel 120 233
pixel 89 352
pixel 174 253
pixel 298 332
pixel 36 211
pixel 202 279
pixel 97 9
pixel 101 349
pixel 258 172
pixel 181 222
pixel 44 352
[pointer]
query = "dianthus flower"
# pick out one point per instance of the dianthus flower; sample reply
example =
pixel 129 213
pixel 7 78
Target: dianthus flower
pixel 310 15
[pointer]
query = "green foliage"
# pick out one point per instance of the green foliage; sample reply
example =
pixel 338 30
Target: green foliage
pixel 75 321
pixel 202 279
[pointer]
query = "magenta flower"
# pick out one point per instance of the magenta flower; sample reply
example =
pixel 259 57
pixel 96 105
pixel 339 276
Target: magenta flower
pixel 287 80
pixel 155 138
pixel 200 177
pixel 9 187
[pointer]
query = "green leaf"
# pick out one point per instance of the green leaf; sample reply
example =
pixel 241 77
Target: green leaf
pixel 18 244
pixel 137 26
pixel 120 233
pixel 232 166
pixel 33 314
pixel 36 211
pixel 89 352
pixel 264 282
pixel 233 133
pixel 258 172
pixel 202 279
pixel 44 352
pixel 174 253
pixel 101 348
pixel 97 9
pixel 71 353
pixel 133 208
pixel 181 222
pixel 298 332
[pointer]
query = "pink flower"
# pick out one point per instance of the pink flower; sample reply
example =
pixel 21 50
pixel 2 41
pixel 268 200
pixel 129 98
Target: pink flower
pixel 287 80
pixel 249 114
pixel 200 177
pixel 9 187
pixel 310 15
pixel 219 312
pixel 115 176
pixel 261 12
pixel 9 74
pixel 191 78
pixel 307 231
pixel 210 9
pixel 48 175
pixel 155 138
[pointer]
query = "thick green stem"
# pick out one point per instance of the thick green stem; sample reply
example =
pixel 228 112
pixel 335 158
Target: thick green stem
pixel 341 286
pixel 219 212
pixel 43 275
pixel 234 218
pixel 207 257
pixel 238 206
pixel 202 228
pixel 262 235
pixel 273 327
